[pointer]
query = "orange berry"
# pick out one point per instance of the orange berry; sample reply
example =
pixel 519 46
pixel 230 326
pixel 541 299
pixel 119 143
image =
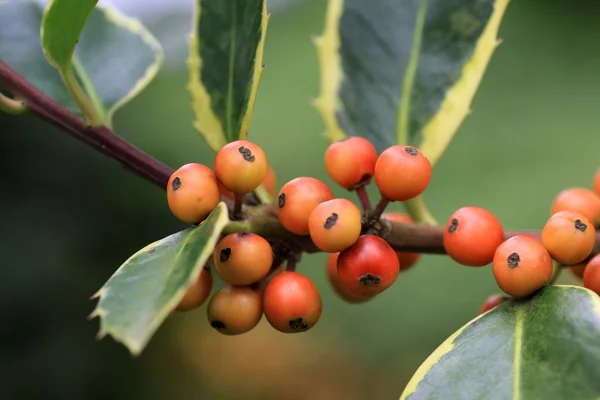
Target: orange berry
pixel 402 173
pixel 569 237
pixel 472 235
pixel 492 301
pixel 241 166
pixel 197 293
pixel 296 201
pixel 591 276
pixel 580 200
pixel 292 303
pixel 335 225
pixel 192 193
pixel 243 258
pixel 521 266
pixel 270 182
pixel 338 286
pixel 369 267
pixel 351 162
pixel 234 310
pixel 407 260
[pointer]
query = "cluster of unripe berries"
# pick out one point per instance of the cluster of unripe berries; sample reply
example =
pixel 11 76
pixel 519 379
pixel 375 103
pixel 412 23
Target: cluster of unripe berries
pixel 361 264
pixel 523 263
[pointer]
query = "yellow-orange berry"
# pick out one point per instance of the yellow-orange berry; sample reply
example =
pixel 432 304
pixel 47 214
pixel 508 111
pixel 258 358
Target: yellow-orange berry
pixel 351 162
pixel 241 166
pixel 581 200
pixel 270 183
pixel 296 201
pixel 197 293
pixel 335 225
pixel 234 310
pixel 192 193
pixel 402 173
pixel 569 237
pixel 243 258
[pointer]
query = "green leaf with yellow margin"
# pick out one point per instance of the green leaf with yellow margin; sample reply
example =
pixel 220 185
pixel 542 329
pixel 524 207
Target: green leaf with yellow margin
pixel 543 347
pixel 140 295
pixel 404 72
pixel 225 66
pixel 116 57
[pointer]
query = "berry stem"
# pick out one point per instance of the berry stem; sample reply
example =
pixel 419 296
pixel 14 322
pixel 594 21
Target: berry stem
pixel 291 265
pixel 380 208
pixel 237 206
pixel 365 201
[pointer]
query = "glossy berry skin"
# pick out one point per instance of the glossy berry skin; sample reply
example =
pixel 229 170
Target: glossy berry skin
pixel 296 201
pixel 492 301
pixel 292 303
pixel 197 293
pixel 407 260
pixel 402 173
pixel 192 193
pixel 591 276
pixel 338 286
pixel 351 162
pixel 581 200
pixel 241 166
pixel 234 310
pixel 521 266
pixel 472 235
pixel 335 225
pixel 569 237
pixel 270 184
pixel 243 258
pixel 369 267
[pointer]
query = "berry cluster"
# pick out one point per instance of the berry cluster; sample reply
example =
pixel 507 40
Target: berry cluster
pixel 522 264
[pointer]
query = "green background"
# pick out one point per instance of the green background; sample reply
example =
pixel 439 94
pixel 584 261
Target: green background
pixel 69 217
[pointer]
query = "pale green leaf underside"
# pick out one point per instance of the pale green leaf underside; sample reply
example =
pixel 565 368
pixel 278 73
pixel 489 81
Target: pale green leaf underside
pixel 404 72
pixel 116 57
pixel 545 347
pixel 225 64
pixel 136 300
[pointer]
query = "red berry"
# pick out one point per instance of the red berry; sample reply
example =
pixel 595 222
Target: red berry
pixel 351 162
pixel 591 276
pixel 472 236
pixel 335 225
pixel 192 193
pixel 569 237
pixel 197 293
pixel 402 173
pixel 492 301
pixel 407 260
pixel 338 286
pixel 369 267
pixel 234 310
pixel 578 270
pixel 292 303
pixel 241 166
pixel 296 201
pixel 580 200
pixel 521 266
pixel 243 258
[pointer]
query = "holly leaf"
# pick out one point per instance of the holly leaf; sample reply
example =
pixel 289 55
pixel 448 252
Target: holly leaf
pixel 404 72
pixel 114 60
pixel 225 65
pixel 544 347
pixel 140 295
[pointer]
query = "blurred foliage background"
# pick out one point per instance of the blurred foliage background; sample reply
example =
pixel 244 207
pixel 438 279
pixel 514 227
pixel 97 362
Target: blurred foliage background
pixel 69 217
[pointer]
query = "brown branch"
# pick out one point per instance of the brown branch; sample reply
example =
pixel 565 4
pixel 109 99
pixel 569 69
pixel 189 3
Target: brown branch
pixel 261 219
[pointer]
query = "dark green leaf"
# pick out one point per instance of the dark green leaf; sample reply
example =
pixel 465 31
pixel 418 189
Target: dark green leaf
pixel 225 66
pixel 61 27
pixel 135 301
pixel 545 347
pixel 404 72
pixel 115 59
